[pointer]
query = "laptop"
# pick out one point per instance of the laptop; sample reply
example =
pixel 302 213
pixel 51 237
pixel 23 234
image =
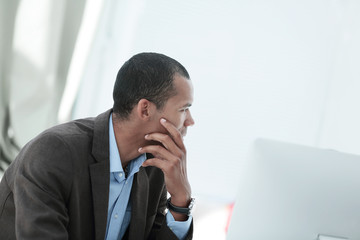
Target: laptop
pixel 294 192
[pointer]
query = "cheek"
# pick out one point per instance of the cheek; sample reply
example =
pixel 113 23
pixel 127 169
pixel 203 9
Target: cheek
pixel 177 119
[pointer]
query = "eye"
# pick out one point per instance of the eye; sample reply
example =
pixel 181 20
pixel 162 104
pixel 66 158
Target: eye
pixel 184 109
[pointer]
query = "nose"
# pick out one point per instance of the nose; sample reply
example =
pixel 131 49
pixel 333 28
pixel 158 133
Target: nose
pixel 189 120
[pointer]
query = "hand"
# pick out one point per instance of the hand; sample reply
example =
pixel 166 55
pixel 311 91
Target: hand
pixel 171 159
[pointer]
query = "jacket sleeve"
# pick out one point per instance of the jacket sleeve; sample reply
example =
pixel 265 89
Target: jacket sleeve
pixel 41 187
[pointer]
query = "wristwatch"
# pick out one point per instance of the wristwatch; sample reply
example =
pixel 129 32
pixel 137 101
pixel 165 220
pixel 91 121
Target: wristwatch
pixel 182 210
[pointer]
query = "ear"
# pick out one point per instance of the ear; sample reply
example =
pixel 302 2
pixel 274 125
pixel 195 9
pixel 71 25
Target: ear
pixel 144 109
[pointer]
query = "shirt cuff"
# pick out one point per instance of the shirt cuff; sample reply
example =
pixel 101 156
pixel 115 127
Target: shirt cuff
pixel 179 228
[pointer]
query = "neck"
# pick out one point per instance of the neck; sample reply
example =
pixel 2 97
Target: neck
pixel 128 140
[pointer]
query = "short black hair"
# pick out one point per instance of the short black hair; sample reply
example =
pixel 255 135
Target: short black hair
pixel 145 75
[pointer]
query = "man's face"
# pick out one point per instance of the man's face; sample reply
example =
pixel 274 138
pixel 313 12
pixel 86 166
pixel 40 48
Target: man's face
pixel 176 109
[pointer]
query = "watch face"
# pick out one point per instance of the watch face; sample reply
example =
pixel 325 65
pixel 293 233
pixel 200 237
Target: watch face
pixel 191 205
pixel 192 202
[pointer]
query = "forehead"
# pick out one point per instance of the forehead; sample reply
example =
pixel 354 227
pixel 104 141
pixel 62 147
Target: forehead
pixel 184 89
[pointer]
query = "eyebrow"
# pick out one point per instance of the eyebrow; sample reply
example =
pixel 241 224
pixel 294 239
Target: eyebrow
pixel 186 105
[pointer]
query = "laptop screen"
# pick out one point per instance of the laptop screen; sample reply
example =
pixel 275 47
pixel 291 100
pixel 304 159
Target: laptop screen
pixel 289 191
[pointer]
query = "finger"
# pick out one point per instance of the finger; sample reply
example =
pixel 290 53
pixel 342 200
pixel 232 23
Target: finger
pixel 174 132
pixel 158 152
pixel 165 140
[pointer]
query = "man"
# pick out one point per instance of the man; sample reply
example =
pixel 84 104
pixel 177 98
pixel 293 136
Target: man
pixel 108 177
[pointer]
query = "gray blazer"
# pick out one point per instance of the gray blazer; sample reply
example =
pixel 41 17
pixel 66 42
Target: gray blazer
pixel 58 188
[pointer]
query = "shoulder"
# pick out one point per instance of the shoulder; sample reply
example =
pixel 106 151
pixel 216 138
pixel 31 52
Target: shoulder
pixel 69 130
pixel 57 145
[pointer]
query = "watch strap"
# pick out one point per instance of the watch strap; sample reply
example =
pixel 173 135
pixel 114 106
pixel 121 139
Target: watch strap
pixel 182 210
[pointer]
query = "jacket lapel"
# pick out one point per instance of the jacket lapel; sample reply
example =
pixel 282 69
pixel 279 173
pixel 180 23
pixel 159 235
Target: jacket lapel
pixel 139 201
pixel 100 173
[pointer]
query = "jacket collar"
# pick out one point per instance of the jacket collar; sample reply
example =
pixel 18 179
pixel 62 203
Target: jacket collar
pixel 100 147
pixel 100 173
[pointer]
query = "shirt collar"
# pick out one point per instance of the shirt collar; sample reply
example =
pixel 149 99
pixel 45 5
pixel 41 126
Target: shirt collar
pixel 115 161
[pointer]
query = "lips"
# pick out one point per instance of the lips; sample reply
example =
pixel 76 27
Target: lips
pixel 183 132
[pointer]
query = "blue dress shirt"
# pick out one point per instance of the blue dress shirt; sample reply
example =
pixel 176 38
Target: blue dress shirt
pixel 119 210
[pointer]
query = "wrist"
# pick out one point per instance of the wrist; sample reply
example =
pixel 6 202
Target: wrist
pixel 180 202
pixel 184 209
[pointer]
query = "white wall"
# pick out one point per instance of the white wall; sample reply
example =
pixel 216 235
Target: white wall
pixel 341 128
pixel 280 69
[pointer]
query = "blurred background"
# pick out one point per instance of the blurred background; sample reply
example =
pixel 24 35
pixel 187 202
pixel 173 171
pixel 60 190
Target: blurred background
pixel 281 69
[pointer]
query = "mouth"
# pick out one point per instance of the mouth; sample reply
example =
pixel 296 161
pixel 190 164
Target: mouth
pixel 183 132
